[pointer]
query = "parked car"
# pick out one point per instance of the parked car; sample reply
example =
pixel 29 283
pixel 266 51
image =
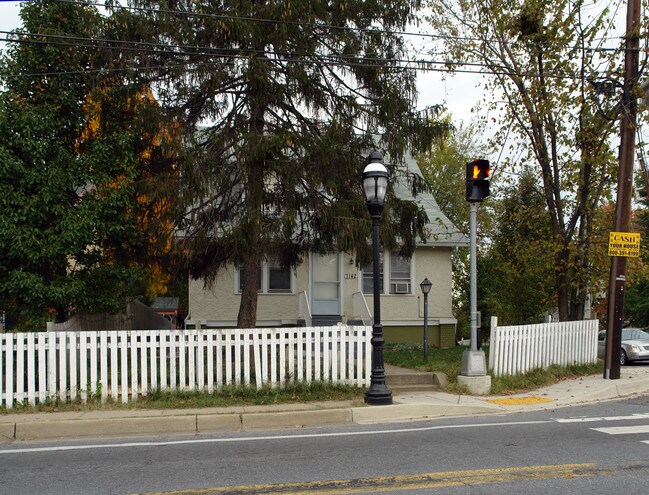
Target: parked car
pixel 635 345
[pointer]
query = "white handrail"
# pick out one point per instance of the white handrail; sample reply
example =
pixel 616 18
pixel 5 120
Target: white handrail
pixel 305 309
pixel 361 309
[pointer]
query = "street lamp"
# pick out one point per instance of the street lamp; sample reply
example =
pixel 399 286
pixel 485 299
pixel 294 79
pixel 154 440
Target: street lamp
pixel 425 288
pixel 375 184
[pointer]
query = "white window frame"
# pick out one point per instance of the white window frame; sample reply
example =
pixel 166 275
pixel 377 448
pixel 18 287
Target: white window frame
pixel 364 272
pixel 387 286
pixel 265 280
pixel 399 286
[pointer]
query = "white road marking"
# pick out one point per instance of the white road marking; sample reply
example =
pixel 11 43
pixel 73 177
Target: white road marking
pixel 602 418
pixel 611 430
pixel 59 448
pixel 624 430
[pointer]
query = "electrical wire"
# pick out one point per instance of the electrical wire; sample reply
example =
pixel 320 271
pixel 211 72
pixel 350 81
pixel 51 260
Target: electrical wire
pixel 112 6
pixel 244 54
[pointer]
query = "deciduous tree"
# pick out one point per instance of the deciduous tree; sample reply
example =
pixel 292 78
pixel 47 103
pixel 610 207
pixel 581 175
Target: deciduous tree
pixel 67 198
pixel 443 168
pixel 516 276
pixel 542 59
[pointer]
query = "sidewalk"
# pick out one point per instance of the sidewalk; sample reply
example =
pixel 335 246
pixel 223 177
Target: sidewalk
pixel 407 407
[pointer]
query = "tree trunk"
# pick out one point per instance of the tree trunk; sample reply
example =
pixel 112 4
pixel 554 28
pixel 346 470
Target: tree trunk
pixel 254 163
pixel 561 276
pixel 247 317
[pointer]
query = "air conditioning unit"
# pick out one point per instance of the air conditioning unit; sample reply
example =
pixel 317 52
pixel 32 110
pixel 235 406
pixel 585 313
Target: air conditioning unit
pixel 401 287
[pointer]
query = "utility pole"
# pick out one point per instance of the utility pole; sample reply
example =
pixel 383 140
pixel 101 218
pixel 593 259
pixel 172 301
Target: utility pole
pixel 617 279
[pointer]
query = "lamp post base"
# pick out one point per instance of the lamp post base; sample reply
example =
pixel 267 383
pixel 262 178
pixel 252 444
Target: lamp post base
pixel 378 395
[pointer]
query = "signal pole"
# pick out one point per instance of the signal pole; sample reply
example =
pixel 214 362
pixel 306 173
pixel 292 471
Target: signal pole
pixel 473 278
pixel 617 278
pixel 473 373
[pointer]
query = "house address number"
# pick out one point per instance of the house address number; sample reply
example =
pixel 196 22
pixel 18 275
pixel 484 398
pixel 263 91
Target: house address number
pixel 351 275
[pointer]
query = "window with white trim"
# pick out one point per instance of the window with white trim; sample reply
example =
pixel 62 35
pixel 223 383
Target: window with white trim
pixel 272 278
pixel 368 277
pixel 400 279
pixel 279 277
pixel 399 269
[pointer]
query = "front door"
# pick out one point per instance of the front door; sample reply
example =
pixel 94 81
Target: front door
pixel 325 285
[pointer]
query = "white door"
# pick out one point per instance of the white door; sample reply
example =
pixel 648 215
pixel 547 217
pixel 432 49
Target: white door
pixel 325 284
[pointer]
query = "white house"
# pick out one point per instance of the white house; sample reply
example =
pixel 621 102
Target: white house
pixel 327 289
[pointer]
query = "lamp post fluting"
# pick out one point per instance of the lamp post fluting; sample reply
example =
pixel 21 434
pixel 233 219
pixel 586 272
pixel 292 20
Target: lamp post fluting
pixel 425 289
pixel 375 185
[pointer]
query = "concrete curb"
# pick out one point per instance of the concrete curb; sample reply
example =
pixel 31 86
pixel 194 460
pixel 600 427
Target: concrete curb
pixel 181 424
pixel 414 406
pixel 414 412
pixel 297 419
pixel 100 428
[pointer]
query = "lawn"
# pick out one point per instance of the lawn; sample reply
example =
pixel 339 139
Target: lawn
pixel 449 361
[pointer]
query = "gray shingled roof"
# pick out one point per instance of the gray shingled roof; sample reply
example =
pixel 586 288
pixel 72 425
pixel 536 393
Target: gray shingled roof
pixel 441 231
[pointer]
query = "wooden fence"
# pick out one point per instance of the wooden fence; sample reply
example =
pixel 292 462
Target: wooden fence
pixel 124 365
pixel 519 349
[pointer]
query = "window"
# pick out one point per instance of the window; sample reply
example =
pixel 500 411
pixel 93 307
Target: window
pixel 241 279
pixel 279 278
pixel 398 267
pixel 399 274
pixel 271 278
pixel 368 274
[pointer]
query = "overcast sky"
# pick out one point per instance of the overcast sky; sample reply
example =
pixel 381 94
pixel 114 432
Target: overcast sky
pixel 458 94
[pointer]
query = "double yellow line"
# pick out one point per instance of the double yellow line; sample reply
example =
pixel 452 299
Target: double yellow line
pixel 406 482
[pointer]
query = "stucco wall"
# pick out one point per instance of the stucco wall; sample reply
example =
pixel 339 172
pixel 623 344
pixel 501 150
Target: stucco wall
pixel 434 263
pixel 221 303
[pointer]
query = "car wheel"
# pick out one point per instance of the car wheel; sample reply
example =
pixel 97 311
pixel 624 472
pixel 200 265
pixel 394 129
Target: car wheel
pixel 624 360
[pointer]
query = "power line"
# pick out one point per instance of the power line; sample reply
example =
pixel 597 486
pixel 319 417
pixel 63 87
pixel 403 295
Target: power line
pixel 373 30
pixel 331 59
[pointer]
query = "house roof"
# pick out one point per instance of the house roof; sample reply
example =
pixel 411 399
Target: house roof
pixel 165 304
pixel 440 230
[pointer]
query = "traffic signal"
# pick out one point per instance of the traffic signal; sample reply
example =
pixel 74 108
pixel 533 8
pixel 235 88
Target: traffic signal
pixel 477 180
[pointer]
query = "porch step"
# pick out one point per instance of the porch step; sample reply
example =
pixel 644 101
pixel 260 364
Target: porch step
pixel 325 320
pixel 403 380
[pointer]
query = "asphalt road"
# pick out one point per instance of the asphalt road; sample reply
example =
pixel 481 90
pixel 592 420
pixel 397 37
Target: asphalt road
pixel 595 449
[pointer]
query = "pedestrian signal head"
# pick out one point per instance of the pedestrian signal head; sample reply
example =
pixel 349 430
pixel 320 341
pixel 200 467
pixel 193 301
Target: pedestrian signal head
pixel 478 173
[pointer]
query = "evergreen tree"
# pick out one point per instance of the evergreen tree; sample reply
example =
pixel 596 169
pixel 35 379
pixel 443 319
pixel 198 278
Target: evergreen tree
pixel 290 97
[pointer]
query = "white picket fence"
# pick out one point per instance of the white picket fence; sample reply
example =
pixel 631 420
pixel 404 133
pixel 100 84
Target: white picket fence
pixel 521 348
pixel 125 365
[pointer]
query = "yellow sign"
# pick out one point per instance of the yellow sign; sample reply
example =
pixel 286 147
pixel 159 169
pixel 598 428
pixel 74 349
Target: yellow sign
pixel 624 244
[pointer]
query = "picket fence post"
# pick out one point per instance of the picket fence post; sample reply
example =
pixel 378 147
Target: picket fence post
pixel 522 348
pixel 123 365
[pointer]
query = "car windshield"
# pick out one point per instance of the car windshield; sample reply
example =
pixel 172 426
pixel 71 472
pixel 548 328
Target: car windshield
pixel 634 334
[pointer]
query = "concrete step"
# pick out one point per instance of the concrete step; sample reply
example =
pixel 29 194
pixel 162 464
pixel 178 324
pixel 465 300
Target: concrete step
pixel 407 380
pixel 410 389
pixel 411 379
pixel 325 320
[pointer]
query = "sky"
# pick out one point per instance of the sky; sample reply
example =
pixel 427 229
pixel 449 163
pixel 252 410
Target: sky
pixel 458 94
